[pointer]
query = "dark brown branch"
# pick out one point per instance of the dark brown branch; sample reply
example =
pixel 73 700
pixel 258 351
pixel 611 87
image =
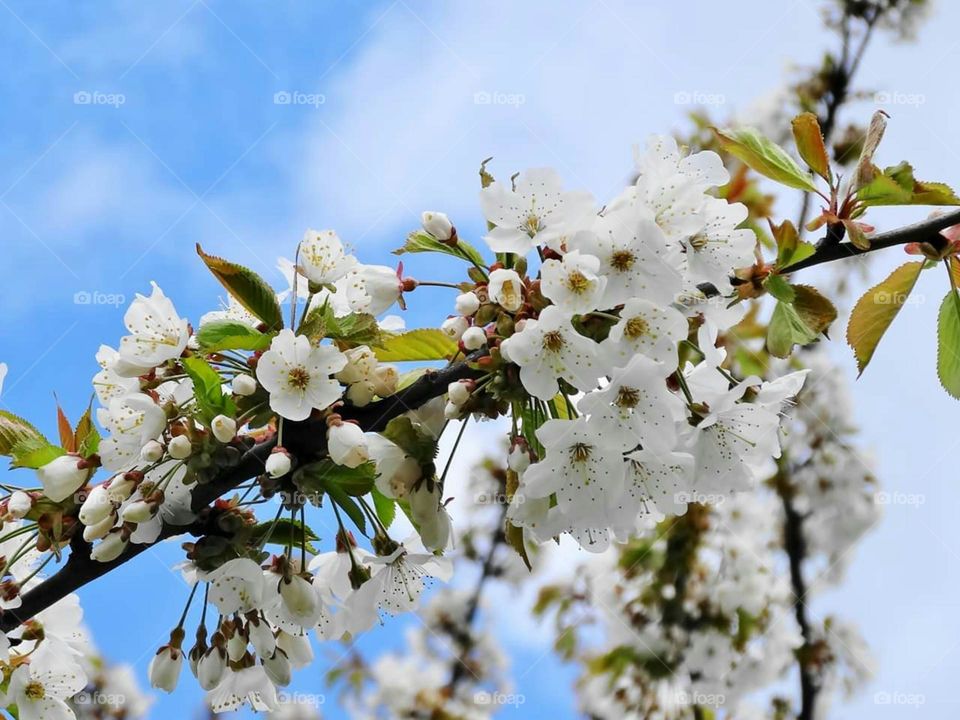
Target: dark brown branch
pixel 305 437
pixel 925 231
pixel 795 545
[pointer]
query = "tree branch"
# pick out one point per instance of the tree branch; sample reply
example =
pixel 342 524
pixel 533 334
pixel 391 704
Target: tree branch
pixel 924 231
pixel 301 438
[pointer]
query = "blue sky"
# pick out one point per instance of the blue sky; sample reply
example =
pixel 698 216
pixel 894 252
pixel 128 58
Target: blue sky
pixel 132 131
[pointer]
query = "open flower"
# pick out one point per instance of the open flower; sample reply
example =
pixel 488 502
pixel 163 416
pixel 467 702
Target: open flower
pixel 322 257
pixel 157 334
pixel 297 375
pixel 549 348
pixel 574 283
pixel 646 329
pixel 536 212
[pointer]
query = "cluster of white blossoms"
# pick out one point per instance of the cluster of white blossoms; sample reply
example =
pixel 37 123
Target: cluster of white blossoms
pixel 608 357
pixel 594 330
pixel 708 597
pixel 50 668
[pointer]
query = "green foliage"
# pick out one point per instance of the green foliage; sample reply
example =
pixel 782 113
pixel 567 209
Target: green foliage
pixel 23 443
pixel 208 390
pixel 876 309
pixel 790 248
pixel 419 445
pixel 349 330
pixel 247 287
pixel 220 335
pixel 419 241
pixel 415 345
pixel 764 156
pixel 285 532
pixel 799 318
pixel 385 507
pixel 809 140
pixel 318 476
pixel 948 344
pixel 896 185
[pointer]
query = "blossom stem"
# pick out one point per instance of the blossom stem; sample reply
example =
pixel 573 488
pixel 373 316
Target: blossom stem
pixel 186 609
pixel 453 451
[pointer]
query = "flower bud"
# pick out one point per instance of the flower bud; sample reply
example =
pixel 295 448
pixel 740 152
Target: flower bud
pixel 278 464
pixel 224 428
pixel 180 447
pixel 96 507
pixel 467 304
pixel 151 452
pixel 300 600
pixel 385 380
pixel 236 646
pixel 297 648
pixel 381 285
pixel 360 363
pixel 458 392
pixel 262 638
pixel 361 393
pixel 452 411
pixel 19 505
pixel 211 667
pixel 437 224
pixel 109 548
pixel 164 670
pixel 454 327
pixel 244 385
pixel 101 528
pixel 62 477
pixel 519 459
pixel 435 533
pixel 506 289
pixel 278 668
pixel 137 512
pixel 347 445
pixel 474 338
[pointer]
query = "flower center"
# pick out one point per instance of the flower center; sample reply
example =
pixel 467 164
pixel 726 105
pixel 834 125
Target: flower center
pixel 577 282
pixel 580 452
pixel 532 224
pixel 636 328
pixel 627 397
pixel 622 260
pixel 553 341
pixel 698 242
pixel 34 690
pixel 298 378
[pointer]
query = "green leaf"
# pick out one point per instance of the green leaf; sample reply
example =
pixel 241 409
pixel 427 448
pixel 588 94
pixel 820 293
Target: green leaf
pixel 219 335
pixel 877 308
pixel 424 344
pixel 386 507
pixel 348 505
pixel 809 139
pixel 786 329
pixel 248 288
pixel 208 389
pixel 34 453
pixel 779 288
pixel 355 329
pixel 318 476
pixel 15 430
pixel 896 185
pixel 948 344
pixel 402 432
pixel 514 536
pixel 815 310
pixel 286 532
pixel 764 156
pixel 418 242
pixel 790 248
